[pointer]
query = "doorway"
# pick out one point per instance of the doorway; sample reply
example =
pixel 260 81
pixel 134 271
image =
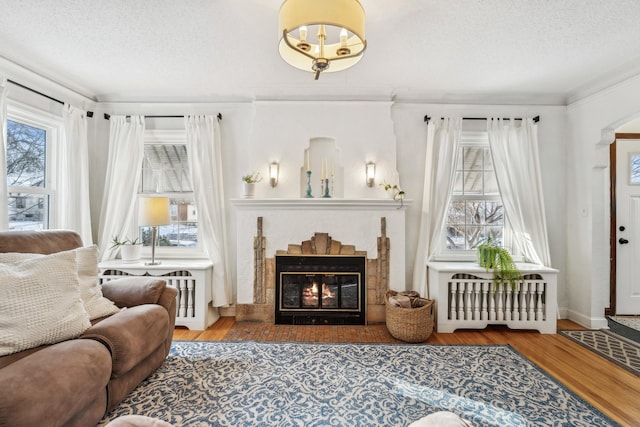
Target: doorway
pixel 625 225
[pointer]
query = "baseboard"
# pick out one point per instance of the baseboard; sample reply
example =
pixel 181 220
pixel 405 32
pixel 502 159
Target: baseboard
pixel 227 311
pixel 563 312
pixel 587 322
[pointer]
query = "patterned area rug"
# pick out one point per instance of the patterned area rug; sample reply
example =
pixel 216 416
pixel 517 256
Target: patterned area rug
pixel 613 347
pixel 627 326
pixel 632 322
pixel 302 384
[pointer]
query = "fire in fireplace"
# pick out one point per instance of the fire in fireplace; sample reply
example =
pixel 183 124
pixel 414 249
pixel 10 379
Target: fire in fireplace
pixel 320 289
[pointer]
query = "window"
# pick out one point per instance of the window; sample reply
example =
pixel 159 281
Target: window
pixel 165 172
pixel 31 138
pixel 634 168
pixel 476 212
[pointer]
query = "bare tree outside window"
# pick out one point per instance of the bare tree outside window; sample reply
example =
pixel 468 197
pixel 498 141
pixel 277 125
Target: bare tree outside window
pixel 26 176
pixel 26 150
pixel 476 212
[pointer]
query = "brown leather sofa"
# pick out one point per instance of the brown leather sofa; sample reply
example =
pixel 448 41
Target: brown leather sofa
pixel 75 382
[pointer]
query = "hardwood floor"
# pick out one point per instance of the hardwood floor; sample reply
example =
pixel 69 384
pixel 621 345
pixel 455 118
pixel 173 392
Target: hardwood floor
pixel 606 386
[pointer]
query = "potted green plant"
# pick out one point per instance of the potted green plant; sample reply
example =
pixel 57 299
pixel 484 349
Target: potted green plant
pixel 249 183
pixel 129 248
pixel 396 192
pixel 493 257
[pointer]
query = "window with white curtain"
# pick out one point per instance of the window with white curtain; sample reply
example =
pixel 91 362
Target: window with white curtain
pixel 32 136
pixel 165 172
pixel 476 212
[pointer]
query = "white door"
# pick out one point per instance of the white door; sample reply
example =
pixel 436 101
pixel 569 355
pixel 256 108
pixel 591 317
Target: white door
pixel 628 226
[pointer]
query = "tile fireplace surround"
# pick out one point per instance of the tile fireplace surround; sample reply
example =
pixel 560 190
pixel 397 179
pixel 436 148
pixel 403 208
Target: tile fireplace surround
pixel 266 227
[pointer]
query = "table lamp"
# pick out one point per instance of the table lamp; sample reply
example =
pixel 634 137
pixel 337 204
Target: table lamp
pixel 152 212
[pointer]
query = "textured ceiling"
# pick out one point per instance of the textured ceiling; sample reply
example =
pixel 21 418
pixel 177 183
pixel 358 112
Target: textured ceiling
pixel 485 51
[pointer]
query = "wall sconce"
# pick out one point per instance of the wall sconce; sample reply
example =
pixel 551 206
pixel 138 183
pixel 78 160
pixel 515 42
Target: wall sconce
pixel 274 167
pixel 371 174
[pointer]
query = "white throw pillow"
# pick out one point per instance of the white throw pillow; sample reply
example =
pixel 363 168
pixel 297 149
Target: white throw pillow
pixel 39 301
pixel 87 268
pixel 90 289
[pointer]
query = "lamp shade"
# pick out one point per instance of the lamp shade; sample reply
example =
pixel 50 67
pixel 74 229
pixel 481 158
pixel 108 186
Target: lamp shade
pixel 153 211
pixel 322 36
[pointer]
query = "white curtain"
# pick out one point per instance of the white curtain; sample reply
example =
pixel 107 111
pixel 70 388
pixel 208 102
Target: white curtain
pixel 73 206
pixel 443 139
pixel 124 165
pixel 514 149
pixel 4 199
pixel 205 162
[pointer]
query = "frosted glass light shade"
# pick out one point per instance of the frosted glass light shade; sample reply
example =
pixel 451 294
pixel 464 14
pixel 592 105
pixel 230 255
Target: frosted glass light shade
pixel 371 174
pixel 153 211
pixel 322 36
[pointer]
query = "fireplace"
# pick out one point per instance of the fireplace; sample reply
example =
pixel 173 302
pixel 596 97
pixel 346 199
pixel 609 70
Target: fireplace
pixel 320 289
pixel 309 227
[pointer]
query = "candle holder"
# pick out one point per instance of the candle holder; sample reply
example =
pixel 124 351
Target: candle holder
pixel 332 186
pixel 326 188
pixel 308 185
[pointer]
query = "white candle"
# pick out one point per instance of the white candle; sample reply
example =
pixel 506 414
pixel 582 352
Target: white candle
pixel 308 163
pixel 343 37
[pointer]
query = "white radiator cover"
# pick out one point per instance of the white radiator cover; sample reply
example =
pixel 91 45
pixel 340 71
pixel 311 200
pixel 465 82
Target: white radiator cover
pixel 191 278
pixel 467 297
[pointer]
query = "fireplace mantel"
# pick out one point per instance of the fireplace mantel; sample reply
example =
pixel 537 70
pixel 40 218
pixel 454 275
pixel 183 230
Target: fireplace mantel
pixel 320 203
pixel 291 221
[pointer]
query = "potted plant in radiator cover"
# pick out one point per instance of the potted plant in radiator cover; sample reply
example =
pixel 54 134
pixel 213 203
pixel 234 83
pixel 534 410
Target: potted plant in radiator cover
pixel 493 257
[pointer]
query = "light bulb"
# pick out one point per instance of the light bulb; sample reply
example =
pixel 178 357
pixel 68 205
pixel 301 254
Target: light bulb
pixel 303 33
pixel 343 37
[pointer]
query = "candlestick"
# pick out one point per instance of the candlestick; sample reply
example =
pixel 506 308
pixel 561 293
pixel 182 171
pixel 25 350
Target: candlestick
pixel 308 185
pixel 332 185
pixel 326 188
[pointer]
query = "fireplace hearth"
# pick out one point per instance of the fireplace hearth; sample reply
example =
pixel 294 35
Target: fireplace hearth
pixel 320 289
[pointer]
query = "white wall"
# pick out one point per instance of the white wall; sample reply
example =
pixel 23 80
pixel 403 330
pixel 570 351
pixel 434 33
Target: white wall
pixel 631 127
pixel 411 135
pixel 591 125
pixel 391 134
pixel 281 130
pixel 235 128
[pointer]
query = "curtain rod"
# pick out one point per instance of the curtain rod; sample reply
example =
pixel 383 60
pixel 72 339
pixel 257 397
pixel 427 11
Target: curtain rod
pixel 89 113
pixel 536 119
pixel 108 116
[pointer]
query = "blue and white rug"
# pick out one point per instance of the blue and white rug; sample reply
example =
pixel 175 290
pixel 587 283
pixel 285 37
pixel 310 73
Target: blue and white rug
pixel 302 384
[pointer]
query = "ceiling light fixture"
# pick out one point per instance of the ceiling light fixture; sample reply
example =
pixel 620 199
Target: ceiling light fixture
pixel 322 36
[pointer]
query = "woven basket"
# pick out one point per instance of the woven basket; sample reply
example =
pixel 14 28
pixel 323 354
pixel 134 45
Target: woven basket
pixel 409 324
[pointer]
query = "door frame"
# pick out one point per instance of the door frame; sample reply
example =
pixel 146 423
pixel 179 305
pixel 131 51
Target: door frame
pixel 611 310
